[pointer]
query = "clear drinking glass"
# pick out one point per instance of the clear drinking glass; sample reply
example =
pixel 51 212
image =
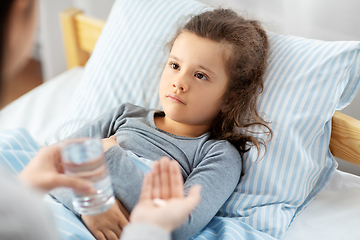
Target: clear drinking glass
pixel 84 157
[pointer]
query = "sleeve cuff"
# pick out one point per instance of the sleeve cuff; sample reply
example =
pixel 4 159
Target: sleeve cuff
pixel 143 231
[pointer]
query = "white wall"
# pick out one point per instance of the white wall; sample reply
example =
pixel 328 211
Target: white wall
pixel 50 43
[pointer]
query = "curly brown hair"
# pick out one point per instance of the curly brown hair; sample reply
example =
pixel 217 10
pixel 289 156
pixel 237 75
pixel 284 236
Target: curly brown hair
pixel 248 45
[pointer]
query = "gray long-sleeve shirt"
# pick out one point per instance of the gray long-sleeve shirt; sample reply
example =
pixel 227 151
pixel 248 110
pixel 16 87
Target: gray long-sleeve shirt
pixel 214 164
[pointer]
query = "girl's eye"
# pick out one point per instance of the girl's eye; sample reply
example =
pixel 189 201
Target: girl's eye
pixel 201 76
pixel 174 66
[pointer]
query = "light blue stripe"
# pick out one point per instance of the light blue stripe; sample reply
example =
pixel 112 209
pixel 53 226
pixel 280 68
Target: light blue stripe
pixel 280 112
pixel 305 134
pixel 303 169
pixel 325 100
pixel 286 155
pixel 322 104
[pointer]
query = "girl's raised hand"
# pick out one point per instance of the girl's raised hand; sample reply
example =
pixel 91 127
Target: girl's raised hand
pixel 162 201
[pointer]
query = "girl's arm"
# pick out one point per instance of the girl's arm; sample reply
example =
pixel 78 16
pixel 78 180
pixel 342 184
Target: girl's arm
pixel 218 173
pixel 109 122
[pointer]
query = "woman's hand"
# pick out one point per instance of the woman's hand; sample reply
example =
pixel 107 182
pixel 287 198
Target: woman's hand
pixel 109 142
pixel 162 202
pixel 108 225
pixel 46 172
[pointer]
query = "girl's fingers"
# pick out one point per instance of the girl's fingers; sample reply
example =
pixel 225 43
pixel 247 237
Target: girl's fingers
pixel 123 221
pixel 146 188
pixel 156 185
pixel 176 181
pixel 111 235
pixel 164 178
pixel 99 235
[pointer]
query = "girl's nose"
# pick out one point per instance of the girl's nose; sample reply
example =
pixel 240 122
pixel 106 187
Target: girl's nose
pixel 178 86
pixel 181 85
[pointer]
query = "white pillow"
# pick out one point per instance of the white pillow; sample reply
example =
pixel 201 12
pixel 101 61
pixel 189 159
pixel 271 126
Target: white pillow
pixel 306 81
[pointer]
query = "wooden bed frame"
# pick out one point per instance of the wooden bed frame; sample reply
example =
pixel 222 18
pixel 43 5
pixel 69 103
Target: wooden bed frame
pixel 81 33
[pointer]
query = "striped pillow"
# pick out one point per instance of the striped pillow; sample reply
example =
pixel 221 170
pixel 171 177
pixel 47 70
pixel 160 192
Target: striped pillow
pixel 129 56
pixel 306 81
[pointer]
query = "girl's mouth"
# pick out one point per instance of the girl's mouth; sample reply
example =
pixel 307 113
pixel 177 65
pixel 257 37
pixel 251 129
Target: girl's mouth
pixel 175 98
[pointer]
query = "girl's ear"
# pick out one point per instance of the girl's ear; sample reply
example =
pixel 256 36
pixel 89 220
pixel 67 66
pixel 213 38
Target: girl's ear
pixel 222 108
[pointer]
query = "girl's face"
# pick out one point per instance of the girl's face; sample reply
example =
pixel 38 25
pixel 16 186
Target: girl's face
pixel 20 34
pixel 194 80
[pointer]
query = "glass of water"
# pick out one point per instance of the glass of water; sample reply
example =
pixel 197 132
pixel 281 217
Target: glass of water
pixel 83 157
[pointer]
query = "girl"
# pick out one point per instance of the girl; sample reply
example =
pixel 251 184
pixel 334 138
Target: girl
pixel 208 93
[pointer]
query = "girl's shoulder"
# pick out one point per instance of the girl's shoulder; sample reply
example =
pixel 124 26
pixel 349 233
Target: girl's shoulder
pixel 129 109
pixel 219 154
pixel 222 147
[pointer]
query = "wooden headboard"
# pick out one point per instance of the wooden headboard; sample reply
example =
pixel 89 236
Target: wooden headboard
pixel 81 32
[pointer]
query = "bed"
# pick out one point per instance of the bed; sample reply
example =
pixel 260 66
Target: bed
pixel 326 208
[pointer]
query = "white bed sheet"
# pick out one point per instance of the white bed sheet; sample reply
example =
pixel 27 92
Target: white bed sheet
pixel 334 214
pixel 42 109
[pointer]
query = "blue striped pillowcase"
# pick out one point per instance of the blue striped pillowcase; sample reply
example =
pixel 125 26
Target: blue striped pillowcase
pixel 306 81
pixel 129 56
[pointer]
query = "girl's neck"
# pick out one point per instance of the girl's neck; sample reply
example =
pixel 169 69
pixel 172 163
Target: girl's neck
pixel 180 129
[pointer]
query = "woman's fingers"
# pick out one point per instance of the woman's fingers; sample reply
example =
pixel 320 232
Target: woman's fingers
pixel 194 197
pixel 165 178
pixel 78 184
pixel 176 181
pixel 156 184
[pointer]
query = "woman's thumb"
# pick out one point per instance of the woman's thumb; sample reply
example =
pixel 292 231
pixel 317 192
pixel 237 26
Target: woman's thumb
pixel 194 196
pixel 77 184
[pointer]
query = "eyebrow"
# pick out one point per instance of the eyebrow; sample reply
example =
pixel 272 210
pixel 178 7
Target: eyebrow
pixel 200 66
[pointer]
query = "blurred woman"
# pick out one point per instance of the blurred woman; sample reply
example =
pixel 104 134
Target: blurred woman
pixel 20 198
